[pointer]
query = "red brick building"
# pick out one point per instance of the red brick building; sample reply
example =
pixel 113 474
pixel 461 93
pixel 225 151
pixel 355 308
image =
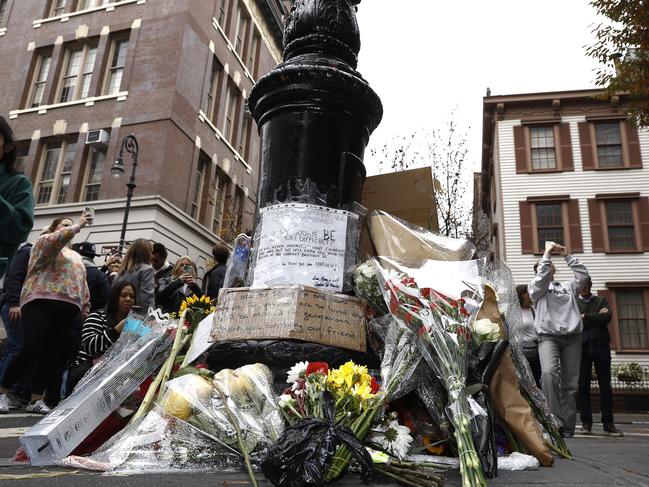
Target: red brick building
pixel 80 75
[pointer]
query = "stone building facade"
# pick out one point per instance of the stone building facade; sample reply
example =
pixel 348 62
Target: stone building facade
pixel 80 75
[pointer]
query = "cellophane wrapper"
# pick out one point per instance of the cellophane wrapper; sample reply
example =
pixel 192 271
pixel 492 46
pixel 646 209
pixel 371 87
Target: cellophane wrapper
pixel 189 428
pixel 498 275
pixel 438 301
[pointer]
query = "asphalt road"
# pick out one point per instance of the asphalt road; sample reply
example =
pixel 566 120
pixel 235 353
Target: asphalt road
pixel 599 461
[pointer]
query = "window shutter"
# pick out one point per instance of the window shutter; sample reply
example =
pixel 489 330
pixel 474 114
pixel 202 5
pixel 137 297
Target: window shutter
pixel 574 227
pixel 612 327
pixel 527 232
pixel 643 207
pixel 521 150
pixel 586 145
pixel 567 163
pixel 596 229
pixel 633 143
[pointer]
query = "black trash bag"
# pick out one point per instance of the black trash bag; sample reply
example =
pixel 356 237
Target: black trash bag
pixel 301 456
pixel 483 362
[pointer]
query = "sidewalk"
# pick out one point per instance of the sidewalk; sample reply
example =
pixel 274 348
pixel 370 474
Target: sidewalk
pixel 598 461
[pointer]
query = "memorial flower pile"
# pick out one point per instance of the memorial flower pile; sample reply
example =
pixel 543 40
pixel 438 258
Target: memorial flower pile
pixel 443 325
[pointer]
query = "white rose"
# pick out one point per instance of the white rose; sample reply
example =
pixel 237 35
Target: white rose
pixel 486 330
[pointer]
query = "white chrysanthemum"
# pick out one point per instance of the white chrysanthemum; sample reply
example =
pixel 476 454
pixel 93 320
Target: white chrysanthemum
pixel 296 371
pixel 394 438
pixel 285 400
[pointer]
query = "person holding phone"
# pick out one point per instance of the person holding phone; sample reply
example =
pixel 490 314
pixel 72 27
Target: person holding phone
pixel 558 325
pixel 182 285
pixel 54 294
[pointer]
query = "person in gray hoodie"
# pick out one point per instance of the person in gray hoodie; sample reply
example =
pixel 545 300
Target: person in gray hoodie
pixel 558 325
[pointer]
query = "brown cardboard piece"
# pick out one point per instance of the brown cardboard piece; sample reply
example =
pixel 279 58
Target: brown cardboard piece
pixel 292 313
pixel 405 194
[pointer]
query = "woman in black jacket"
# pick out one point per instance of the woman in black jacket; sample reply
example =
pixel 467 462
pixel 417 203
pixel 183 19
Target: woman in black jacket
pixel 183 285
pixel 101 329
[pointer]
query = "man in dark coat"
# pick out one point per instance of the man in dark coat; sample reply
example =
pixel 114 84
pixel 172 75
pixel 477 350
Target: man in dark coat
pixel 98 283
pixel 596 350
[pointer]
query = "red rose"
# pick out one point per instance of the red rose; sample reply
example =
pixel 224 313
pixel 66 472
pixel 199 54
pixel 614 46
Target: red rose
pixel 374 385
pixel 317 368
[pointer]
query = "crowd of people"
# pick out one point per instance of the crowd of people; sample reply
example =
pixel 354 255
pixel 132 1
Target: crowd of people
pixel 61 310
pixel 565 334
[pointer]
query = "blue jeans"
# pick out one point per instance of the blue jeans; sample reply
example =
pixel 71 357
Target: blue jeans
pixel 13 345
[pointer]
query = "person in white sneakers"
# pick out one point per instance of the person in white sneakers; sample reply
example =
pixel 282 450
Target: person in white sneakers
pixel 559 326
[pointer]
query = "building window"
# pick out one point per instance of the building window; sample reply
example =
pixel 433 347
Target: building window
pixel 86 4
pixel 253 55
pixel 619 222
pixel 222 12
pixel 199 175
pixel 213 91
pixel 632 319
pixel 77 73
pixel 118 51
pixel 550 219
pixel 549 224
pixel 229 117
pixel 221 185
pixel 3 10
pixel 58 7
pixel 609 144
pixel 41 73
pixel 244 140
pixel 542 147
pixel 56 170
pixel 97 160
pixel 241 34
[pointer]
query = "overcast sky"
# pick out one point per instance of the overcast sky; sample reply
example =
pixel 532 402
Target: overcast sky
pixel 425 57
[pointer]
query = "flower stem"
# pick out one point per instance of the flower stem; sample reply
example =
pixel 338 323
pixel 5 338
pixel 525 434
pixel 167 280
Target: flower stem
pixel 235 425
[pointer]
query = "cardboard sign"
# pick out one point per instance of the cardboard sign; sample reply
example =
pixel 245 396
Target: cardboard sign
pixel 293 313
pixel 301 244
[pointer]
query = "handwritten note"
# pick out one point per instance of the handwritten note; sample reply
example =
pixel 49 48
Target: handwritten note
pixel 301 244
pixel 291 312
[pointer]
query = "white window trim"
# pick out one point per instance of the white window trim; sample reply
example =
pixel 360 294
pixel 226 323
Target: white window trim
pixel 13 114
pixel 219 136
pixel 66 16
pixel 86 175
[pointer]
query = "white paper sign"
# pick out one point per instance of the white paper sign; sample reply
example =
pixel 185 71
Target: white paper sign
pixel 301 244
pixel 201 340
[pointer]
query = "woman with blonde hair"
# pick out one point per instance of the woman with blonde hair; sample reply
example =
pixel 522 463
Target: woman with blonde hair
pixel 136 269
pixel 182 285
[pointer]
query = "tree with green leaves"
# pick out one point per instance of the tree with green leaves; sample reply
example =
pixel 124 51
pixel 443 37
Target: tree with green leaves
pixel 622 49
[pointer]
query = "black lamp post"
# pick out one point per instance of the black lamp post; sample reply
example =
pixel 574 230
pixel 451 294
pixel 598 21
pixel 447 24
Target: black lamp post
pixel 130 145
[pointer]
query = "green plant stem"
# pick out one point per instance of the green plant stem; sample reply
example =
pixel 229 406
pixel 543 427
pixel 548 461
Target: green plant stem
pixel 235 425
pixel 169 363
pixel 145 407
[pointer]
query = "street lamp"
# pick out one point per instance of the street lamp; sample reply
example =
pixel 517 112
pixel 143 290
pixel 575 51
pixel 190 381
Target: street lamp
pixel 129 144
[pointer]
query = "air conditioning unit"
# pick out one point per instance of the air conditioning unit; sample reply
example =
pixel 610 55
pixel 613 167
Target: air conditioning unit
pixel 97 138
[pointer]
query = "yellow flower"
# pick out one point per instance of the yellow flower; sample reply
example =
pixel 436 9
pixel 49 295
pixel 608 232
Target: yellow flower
pixel 348 375
pixel 363 391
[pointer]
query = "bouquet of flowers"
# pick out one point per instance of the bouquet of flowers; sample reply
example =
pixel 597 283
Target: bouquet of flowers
pixel 437 301
pixel 343 403
pixel 366 285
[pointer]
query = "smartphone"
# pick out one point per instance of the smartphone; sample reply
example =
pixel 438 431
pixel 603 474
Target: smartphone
pixel 89 211
pixel 187 269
